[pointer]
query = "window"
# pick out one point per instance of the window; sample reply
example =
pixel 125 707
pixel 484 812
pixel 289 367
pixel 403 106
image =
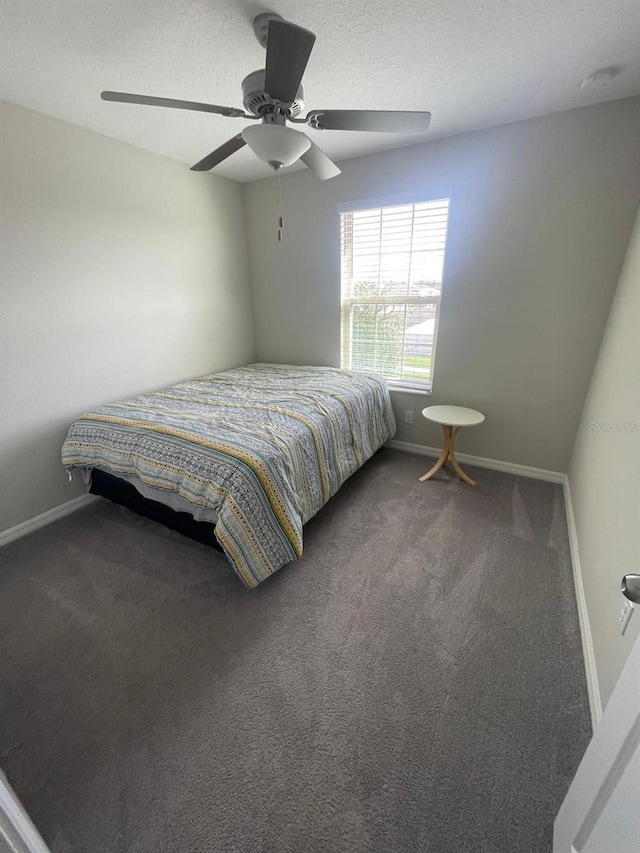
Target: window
pixel 391 280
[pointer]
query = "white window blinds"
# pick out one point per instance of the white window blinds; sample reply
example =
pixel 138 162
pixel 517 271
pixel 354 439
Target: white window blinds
pixel 392 260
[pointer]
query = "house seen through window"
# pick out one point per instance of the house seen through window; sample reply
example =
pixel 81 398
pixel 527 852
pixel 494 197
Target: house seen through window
pixel 392 261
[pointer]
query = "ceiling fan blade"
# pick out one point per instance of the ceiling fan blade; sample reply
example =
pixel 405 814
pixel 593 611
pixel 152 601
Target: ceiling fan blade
pixel 288 51
pixel 225 150
pixel 315 158
pixel 383 121
pixel 148 100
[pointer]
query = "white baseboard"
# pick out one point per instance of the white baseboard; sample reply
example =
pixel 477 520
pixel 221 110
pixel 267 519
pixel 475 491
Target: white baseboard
pixel 45 518
pixel 593 687
pixel 483 462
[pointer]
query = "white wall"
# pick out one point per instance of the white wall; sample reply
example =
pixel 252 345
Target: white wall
pixel 604 476
pixel 122 271
pixel 541 215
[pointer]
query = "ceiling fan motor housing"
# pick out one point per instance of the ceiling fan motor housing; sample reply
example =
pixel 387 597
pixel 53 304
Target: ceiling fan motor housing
pixel 257 102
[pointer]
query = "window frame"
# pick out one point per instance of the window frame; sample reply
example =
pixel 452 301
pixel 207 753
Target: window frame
pixel 347 303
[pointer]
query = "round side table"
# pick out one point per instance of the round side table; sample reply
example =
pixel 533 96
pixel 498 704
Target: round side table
pixel 452 419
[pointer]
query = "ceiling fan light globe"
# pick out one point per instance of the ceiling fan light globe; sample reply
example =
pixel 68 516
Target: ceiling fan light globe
pixel 276 144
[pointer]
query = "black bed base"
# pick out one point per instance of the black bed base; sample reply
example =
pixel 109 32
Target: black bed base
pixel 123 493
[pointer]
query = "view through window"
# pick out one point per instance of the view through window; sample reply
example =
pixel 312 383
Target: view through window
pixel 392 263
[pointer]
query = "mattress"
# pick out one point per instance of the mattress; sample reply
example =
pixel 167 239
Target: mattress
pixel 264 447
pixel 171 499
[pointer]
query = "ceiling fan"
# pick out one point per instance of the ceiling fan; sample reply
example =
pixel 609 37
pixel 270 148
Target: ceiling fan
pixel 274 95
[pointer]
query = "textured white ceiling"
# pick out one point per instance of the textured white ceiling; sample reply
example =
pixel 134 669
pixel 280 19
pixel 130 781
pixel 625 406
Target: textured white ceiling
pixel 472 63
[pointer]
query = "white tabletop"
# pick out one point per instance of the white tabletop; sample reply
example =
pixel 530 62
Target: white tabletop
pixel 457 416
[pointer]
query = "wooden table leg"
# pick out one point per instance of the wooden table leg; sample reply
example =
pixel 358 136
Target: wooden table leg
pixel 448 442
pixel 456 464
pixel 448 455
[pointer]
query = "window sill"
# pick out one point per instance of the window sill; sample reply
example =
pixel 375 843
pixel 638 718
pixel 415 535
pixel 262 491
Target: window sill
pixel 407 389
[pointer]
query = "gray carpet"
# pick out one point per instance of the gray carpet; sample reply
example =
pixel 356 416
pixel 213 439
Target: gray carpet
pixel 413 683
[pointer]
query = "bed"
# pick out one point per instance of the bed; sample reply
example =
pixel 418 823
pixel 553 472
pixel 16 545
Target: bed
pixel 256 450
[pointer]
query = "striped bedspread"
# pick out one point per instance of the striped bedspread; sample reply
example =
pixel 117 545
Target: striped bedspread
pixel 265 446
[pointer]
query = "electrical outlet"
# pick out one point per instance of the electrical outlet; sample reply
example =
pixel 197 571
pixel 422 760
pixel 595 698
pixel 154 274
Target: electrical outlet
pixel 408 416
pixel 626 613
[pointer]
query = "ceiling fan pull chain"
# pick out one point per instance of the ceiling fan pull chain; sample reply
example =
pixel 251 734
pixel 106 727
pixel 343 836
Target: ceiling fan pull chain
pixel 279 209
